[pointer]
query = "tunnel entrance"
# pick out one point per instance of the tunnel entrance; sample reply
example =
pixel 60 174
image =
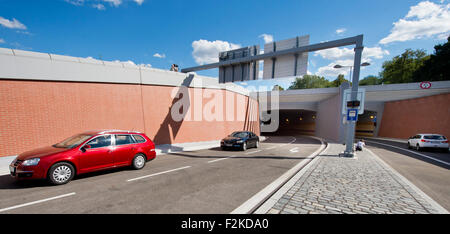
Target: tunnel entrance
pixel 366 125
pixel 299 122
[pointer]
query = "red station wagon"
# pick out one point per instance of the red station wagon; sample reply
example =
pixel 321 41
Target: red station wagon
pixel 83 153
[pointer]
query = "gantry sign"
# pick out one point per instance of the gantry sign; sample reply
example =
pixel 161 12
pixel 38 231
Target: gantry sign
pixel 246 66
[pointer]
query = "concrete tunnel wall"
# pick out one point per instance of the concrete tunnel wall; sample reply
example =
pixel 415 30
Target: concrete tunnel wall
pixel 46 98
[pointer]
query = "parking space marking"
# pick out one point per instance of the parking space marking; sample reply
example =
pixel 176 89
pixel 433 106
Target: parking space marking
pixel 423 155
pixel 220 159
pixel 36 202
pixel 159 173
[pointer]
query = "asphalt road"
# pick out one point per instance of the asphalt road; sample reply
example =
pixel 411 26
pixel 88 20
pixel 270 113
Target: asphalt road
pixel 428 170
pixel 205 181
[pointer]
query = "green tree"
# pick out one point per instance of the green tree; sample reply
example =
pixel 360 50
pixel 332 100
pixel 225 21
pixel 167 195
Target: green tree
pixel 401 68
pixel 339 80
pixel 277 87
pixel 437 68
pixel 370 80
pixel 310 82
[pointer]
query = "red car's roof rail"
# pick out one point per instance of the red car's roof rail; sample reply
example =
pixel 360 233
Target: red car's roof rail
pixel 115 130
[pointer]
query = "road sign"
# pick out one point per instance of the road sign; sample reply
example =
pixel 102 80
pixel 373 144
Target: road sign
pixel 360 98
pixel 242 71
pixel 286 65
pixel 425 85
pixel 352 115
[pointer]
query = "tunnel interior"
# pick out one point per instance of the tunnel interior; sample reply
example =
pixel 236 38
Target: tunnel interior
pixel 301 122
pixel 366 125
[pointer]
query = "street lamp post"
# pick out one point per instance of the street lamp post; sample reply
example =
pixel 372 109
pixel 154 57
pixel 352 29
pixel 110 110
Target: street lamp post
pixel 351 68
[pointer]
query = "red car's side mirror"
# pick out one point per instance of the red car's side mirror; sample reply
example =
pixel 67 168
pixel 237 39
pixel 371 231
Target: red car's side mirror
pixel 85 147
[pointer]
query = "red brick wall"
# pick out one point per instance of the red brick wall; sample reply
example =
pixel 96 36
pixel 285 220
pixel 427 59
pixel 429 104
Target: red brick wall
pixel 40 113
pixel 402 119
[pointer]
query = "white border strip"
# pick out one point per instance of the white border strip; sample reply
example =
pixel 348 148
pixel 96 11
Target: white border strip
pixel 36 202
pixel 422 155
pixel 432 202
pixel 255 201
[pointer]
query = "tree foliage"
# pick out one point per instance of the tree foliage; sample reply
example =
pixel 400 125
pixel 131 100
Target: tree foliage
pixel 370 80
pixel 277 87
pixel 310 82
pixel 437 68
pixel 401 68
pixel 314 82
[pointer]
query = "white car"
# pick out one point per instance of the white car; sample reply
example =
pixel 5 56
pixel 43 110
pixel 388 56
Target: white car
pixel 435 141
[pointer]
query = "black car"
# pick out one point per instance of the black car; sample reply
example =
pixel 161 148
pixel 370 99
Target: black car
pixel 240 140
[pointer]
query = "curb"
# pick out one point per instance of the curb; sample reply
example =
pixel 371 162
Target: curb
pixel 255 202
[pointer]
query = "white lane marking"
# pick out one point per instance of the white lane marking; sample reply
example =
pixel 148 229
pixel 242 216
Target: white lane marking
pixel 220 159
pixel 36 202
pixel 159 173
pixel 294 150
pixel 253 152
pixel 423 155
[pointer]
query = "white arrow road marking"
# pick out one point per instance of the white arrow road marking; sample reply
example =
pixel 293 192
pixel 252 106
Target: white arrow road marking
pixel 294 150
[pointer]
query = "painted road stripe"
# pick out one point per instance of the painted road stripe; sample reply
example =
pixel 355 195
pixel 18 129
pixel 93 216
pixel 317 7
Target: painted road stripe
pixel 36 202
pixel 159 173
pixel 220 159
pixel 423 155
pixel 253 152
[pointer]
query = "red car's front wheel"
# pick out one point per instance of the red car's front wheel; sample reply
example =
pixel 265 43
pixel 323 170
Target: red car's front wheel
pixel 61 173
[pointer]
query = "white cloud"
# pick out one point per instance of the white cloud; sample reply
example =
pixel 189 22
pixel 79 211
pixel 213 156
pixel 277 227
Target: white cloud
pixel 2 41
pixel 99 4
pixel 341 31
pixel 425 20
pixel 139 2
pixel 99 7
pixel 266 37
pixel 158 55
pixel 345 57
pixel 368 54
pixel 115 3
pixel 330 71
pixel 12 23
pixel 208 51
pixel 75 2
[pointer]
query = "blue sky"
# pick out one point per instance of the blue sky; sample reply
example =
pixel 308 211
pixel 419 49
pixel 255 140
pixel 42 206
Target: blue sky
pixel 190 33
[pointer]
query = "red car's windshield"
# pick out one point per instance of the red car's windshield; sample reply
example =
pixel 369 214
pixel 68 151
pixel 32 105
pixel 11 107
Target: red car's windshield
pixel 73 141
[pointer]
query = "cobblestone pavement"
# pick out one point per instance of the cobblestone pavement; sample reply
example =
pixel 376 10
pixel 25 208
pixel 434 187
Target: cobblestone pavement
pixel 335 185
